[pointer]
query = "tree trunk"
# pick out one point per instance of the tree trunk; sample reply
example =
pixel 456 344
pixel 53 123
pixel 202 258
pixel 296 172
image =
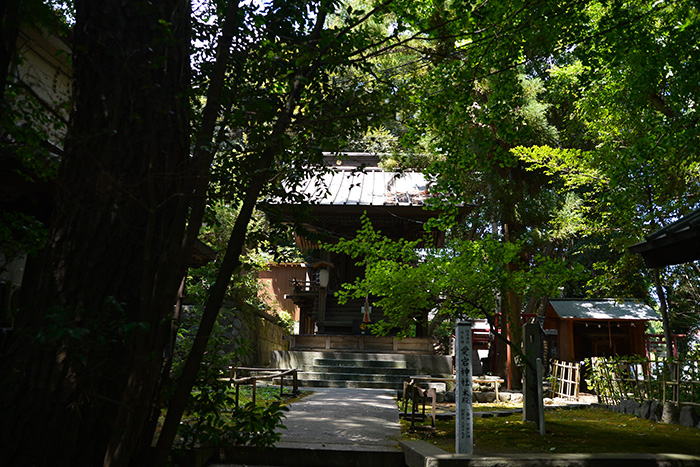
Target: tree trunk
pixel 9 29
pixel 81 371
pixel 234 248
pixel 514 333
pixel 668 333
pixel 511 202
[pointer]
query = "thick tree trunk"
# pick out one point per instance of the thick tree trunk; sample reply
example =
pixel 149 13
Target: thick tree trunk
pixel 80 374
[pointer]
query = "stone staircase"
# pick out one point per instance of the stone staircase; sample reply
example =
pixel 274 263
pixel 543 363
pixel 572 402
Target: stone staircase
pixel 360 369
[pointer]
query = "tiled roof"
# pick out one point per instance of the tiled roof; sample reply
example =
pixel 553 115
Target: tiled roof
pixel 373 187
pixel 676 243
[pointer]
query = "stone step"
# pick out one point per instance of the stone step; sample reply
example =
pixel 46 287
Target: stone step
pixel 324 383
pixel 313 455
pixel 369 377
pixel 340 373
pixel 359 370
pixel 346 362
pixel 327 324
pixel 347 381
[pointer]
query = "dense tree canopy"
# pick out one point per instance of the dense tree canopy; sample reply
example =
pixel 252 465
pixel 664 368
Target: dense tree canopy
pixel 570 128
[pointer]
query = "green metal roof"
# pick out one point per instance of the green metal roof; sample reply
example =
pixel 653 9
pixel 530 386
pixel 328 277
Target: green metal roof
pixel 604 309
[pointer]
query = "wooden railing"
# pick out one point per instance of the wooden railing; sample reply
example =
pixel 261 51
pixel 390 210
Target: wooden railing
pixel 419 345
pixel 280 373
pixel 413 393
pixel 299 286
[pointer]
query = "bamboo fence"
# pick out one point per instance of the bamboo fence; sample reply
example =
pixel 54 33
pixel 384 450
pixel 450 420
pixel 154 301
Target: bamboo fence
pixel 566 377
pixel 665 380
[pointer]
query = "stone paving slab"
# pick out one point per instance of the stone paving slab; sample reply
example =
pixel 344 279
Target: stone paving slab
pixel 334 427
pixel 335 418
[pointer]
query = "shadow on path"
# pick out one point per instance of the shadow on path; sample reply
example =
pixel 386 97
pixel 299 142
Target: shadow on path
pixel 348 419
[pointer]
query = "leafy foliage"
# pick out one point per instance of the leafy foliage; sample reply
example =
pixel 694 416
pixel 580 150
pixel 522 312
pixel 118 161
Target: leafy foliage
pixel 19 232
pixel 568 129
pixel 681 286
pixel 211 417
pixel 272 47
pixel 447 284
pixel 265 242
pixel 32 125
pixel 641 379
pixel 630 112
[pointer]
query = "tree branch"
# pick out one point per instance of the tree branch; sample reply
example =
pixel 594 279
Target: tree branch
pixel 231 259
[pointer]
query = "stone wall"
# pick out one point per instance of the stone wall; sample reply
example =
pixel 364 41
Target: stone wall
pixel 657 412
pixel 261 332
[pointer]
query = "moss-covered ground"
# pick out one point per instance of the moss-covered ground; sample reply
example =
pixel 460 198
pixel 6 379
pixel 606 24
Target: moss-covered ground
pixel 568 430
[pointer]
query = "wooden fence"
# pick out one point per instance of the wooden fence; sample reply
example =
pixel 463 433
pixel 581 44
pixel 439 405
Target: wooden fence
pixel 565 379
pixel 665 380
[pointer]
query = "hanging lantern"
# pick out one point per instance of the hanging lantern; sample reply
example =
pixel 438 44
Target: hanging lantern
pixel 323 276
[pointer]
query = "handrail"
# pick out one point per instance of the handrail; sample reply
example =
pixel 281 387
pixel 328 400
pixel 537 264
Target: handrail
pixel 300 286
pixel 252 380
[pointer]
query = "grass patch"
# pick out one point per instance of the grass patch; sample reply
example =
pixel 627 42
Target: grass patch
pixel 449 407
pixel 265 395
pixel 587 430
pixel 478 407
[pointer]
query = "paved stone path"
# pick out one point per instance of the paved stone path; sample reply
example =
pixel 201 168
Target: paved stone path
pixel 335 427
pixel 347 419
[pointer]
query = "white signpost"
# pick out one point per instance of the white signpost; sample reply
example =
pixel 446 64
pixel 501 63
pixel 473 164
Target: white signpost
pixel 464 433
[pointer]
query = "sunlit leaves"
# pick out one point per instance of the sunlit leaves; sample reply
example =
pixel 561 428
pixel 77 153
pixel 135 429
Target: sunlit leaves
pixel 460 281
pixel 573 165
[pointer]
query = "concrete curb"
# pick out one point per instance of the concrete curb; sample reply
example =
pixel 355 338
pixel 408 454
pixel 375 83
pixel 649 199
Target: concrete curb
pixel 422 454
pixel 311 456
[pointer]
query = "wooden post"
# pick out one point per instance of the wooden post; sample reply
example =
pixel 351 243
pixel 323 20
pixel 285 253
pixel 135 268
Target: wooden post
pixel 414 402
pixel 540 397
pixel 531 342
pixel 322 306
pixel 464 432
